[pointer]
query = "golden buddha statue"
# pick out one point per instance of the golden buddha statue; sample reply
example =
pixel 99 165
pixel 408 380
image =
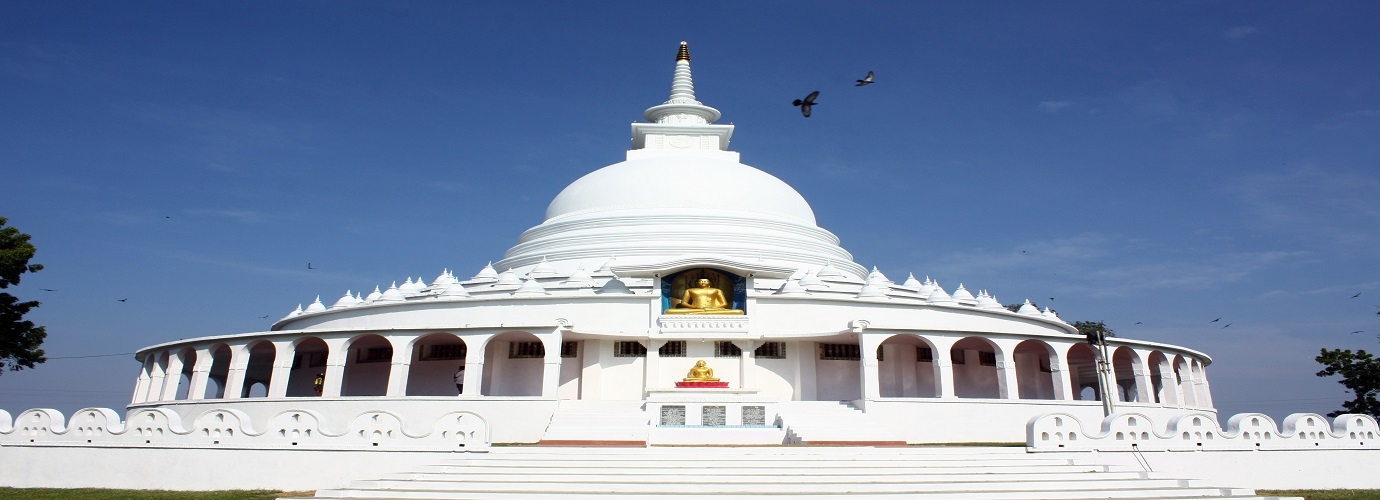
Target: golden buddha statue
pixel 701 373
pixel 703 299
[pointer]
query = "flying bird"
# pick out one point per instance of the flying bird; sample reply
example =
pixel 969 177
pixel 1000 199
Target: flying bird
pixel 263 317
pixel 48 289
pixel 1358 331
pixel 309 266
pixel 1358 294
pixel 122 300
pixel 806 103
pixel 1226 325
pixel 1137 322
pixel 867 80
pixel 1215 320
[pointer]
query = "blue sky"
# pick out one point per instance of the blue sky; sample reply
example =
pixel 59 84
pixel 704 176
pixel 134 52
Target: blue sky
pixel 1154 165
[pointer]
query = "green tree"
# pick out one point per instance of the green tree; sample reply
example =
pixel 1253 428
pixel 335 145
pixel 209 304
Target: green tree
pixel 1360 373
pixel 1086 327
pixel 19 339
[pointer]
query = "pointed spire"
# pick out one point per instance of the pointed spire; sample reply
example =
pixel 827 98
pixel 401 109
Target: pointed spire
pixel 1028 309
pixel 486 274
pixel 682 108
pixel 614 286
pixel 684 54
pixel 530 287
pixel 391 295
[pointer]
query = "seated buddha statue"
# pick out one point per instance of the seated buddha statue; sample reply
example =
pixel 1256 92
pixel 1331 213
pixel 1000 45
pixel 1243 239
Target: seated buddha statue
pixel 701 373
pixel 703 299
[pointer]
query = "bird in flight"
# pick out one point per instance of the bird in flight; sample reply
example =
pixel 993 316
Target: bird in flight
pixel 309 266
pixel 263 317
pixel 1226 325
pixel 1137 322
pixel 1358 331
pixel 806 103
pixel 48 289
pixel 1215 320
pixel 1358 294
pixel 867 80
pixel 122 300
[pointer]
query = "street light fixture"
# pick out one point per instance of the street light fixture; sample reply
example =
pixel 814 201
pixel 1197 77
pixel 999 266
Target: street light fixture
pixel 1098 338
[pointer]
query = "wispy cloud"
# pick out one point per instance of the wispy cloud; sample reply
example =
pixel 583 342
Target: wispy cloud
pixel 1239 32
pixel 1053 106
pixel 1100 265
pixel 241 216
pixel 1321 207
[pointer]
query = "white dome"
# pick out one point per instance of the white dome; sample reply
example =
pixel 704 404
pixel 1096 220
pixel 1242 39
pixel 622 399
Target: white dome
pixel 692 182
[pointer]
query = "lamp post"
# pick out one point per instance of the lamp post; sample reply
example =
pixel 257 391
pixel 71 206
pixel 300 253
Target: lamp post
pixel 1104 369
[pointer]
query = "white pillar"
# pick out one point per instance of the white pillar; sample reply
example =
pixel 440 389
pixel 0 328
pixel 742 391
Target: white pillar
pixel 201 374
pixel 172 377
pixel 1200 385
pixel 141 386
pixel 747 363
pixel 944 366
pixel 871 385
pixel 551 364
pixel 1059 371
pixel 474 363
pixel 1140 368
pixel 154 391
pixel 1185 384
pixel 651 365
pixel 1008 383
pixel 1168 384
pixel 335 367
pixel 278 379
pixel 401 365
pixel 239 362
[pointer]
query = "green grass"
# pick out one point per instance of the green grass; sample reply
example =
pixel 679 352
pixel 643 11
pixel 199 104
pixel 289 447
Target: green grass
pixel 1323 494
pixel 104 494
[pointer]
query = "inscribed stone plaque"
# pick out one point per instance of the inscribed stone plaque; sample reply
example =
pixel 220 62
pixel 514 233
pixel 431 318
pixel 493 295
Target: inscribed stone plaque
pixel 754 415
pixel 713 415
pixel 673 415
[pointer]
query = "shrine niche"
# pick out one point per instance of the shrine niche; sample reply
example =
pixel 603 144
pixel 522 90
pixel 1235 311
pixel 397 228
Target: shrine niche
pixel 703 291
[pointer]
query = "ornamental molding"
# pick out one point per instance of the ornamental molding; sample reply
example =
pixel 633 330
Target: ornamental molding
pixel 710 325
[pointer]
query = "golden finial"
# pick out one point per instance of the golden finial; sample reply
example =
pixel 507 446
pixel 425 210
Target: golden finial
pixel 684 54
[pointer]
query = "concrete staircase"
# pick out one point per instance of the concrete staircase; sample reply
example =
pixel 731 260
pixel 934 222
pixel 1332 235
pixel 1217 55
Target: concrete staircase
pixel 832 423
pixel 724 473
pixel 597 423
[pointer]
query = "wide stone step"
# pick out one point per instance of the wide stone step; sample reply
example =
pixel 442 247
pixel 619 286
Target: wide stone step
pixel 857 491
pixel 730 473
pixel 748 471
pixel 795 478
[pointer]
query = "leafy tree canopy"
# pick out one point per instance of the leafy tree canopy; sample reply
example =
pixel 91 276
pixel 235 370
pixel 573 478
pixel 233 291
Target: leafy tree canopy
pixel 1086 327
pixel 1360 373
pixel 19 339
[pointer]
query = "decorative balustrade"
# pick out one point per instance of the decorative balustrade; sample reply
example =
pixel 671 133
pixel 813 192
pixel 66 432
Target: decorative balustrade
pixel 1197 431
pixel 292 429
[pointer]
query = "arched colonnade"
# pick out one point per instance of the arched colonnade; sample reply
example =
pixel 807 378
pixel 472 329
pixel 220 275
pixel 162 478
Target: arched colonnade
pixel 506 363
pixel 944 365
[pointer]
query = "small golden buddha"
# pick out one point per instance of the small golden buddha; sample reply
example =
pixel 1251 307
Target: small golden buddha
pixel 703 299
pixel 701 373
